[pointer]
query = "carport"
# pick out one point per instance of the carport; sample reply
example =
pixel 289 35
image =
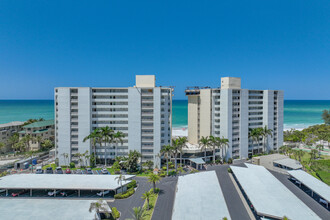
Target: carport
pixel 316 186
pixel 288 164
pixel 79 183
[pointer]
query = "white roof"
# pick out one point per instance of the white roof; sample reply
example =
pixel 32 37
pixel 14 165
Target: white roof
pixel 61 181
pixel 311 182
pixel 14 123
pixel 269 196
pixel 199 199
pixel 51 209
pixel 288 162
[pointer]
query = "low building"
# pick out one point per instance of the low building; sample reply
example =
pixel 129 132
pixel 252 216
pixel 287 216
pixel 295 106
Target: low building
pixel 277 162
pixel 44 129
pixel 8 129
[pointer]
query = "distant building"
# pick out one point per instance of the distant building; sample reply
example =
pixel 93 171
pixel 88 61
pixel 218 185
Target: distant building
pixel 44 129
pixel 143 113
pixel 8 129
pixel 230 112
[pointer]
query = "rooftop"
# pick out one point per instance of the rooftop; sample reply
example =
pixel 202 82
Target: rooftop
pixel 199 199
pixel 14 123
pixel 269 196
pixel 288 162
pixel 61 181
pixel 39 124
pixel 31 209
pixel 311 182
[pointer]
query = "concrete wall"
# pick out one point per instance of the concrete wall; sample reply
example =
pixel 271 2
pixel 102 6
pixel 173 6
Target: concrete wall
pixel 244 124
pixel 268 116
pixel 157 124
pixel 134 119
pixel 145 81
pixel 63 123
pixel 280 116
pixel 205 113
pixel 193 117
pixel 230 83
pixel 226 117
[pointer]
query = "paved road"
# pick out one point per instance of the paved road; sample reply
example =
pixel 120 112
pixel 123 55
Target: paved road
pixel 165 201
pixel 234 203
pixel 304 197
pixel 125 206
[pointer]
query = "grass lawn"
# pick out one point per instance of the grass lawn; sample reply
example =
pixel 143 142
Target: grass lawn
pixel 152 204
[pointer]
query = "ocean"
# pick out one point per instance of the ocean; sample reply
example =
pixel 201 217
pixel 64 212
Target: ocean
pixel 298 114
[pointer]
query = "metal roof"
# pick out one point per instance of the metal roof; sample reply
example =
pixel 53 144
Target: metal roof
pixel 288 162
pixel 269 196
pixel 199 196
pixel 197 160
pixel 321 188
pixel 61 181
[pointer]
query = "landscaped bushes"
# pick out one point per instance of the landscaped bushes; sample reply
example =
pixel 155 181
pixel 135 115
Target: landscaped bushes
pixel 229 170
pixel 131 185
pixel 115 214
pixel 125 195
pixel 72 165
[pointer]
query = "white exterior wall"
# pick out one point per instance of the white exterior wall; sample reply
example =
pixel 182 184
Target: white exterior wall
pixel 268 115
pixel 226 117
pixel 157 125
pixel 62 125
pixel 244 124
pixel 280 116
pixel 134 119
pixel 84 119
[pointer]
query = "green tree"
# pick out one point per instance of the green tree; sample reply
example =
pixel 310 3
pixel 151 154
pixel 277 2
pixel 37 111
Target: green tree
pixel 46 144
pixel 146 196
pixel 2 146
pixel 138 213
pixel 204 143
pixel 175 149
pixel 12 140
pixel 153 178
pixel 118 138
pixel 99 206
pixel 215 144
pixel 149 164
pixel 107 137
pixel 326 116
pixel 132 161
pixel 166 151
pixel 183 144
pixel 120 180
pixel 94 137
pixel 224 143
pixel 254 135
pixel 313 154
pixel 266 133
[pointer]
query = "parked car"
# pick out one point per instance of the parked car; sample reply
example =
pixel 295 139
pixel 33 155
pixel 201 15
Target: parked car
pixel 104 171
pixel 39 170
pixel 19 193
pixel 2 190
pixel 49 170
pixel 67 193
pixel 68 171
pixel 101 193
pixel 78 171
pixel 89 171
pixel 59 170
pixel 52 193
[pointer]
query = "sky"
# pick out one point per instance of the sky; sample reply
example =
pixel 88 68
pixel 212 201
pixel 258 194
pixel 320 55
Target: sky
pixel 273 44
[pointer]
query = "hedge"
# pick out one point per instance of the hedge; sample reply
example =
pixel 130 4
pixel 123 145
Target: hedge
pixel 131 184
pixel 115 213
pixel 125 195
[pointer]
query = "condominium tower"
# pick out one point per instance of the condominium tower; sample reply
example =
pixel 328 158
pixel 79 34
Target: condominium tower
pixel 143 113
pixel 230 112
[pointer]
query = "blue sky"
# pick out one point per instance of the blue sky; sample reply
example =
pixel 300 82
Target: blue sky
pixel 273 44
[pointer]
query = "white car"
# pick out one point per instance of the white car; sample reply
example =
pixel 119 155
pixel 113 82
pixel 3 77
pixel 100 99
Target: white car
pixel 101 193
pixel 52 193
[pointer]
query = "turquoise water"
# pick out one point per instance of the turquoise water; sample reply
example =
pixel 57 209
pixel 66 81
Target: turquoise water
pixel 297 113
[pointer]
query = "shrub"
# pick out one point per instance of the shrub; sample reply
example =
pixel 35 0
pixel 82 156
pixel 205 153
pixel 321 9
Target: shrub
pixel 164 167
pixel 217 161
pixel 230 160
pixel 116 165
pixel 163 174
pixel 229 170
pixel 125 195
pixel 131 184
pixel 170 165
pixel 117 171
pixel 115 213
pixel 72 165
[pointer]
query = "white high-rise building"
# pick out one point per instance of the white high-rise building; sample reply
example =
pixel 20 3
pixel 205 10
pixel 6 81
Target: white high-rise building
pixel 143 113
pixel 230 112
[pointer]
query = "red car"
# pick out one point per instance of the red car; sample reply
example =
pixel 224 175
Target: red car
pixel 68 171
pixel 19 193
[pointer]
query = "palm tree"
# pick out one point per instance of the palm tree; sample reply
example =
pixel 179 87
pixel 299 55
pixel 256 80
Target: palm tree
pixel 26 140
pixel 107 137
pixel 120 179
pixel 224 143
pixel 153 178
pixel 215 143
pixel 183 141
pixel 166 151
pixel 146 196
pixel 38 139
pixel 13 140
pixel 47 144
pixel 175 150
pixel 98 206
pixel 118 137
pixel 138 213
pixel 2 146
pixel 313 154
pixel 265 133
pixel 255 134
pixel 94 136
pixel 300 154
pixel 319 148
pixel 203 144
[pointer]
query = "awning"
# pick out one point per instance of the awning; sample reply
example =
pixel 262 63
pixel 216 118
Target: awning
pixel 197 160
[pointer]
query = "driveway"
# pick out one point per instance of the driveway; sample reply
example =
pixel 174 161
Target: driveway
pixel 165 201
pixel 125 206
pixel 234 203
